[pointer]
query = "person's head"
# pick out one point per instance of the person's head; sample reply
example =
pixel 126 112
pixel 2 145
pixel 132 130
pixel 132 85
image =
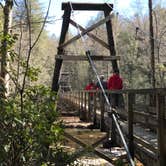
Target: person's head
pixel 102 77
pixel 116 71
pixel 91 81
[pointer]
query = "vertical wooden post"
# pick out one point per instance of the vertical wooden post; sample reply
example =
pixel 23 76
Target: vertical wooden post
pixel 130 102
pixel 81 106
pixel 113 126
pixel 89 108
pixel 70 96
pixel 85 105
pixel 75 99
pixel 94 109
pixel 73 96
pixel 161 132
pixel 107 11
pixel 102 124
pixel 58 62
pixel 79 100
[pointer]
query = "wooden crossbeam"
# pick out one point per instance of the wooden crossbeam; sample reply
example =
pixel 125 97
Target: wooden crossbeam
pixel 86 147
pixel 84 58
pixel 87 6
pixel 86 31
pixel 145 144
pixel 102 155
pixel 76 25
pixel 74 139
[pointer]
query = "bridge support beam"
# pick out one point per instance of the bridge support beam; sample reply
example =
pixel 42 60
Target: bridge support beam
pixel 102 108
pixel 130 102
pixel 161 116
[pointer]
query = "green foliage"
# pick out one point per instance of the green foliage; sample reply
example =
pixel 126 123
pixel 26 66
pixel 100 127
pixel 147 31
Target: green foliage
pixel 27 133
pixel 33 73
pixel 119 163
pixel 31 133
pixel 7 42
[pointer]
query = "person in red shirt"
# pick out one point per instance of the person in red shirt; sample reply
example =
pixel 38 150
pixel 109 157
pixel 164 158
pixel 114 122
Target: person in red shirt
pixel 91 86
pixel 115 82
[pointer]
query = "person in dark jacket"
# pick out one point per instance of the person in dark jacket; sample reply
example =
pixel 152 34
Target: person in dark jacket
pixel 115 82
pixel 104 83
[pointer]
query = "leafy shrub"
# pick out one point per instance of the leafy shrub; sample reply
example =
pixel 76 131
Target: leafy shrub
pixel 27 133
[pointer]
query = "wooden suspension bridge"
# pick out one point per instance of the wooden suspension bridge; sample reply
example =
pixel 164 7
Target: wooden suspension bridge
pixel 143 123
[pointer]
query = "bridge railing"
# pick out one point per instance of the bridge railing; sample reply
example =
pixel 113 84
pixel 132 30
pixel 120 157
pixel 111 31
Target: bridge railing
pixel 143 112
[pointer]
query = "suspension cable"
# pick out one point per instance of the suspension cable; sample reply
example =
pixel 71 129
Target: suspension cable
pixel 111 110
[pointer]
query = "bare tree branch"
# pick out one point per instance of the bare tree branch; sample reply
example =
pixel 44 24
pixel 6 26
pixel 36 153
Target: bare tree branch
pixel 15 2
pixel 31 46
pixel 1 5
pixel 19 52
pixel 35 22
pixel 42 25
pixel 29 53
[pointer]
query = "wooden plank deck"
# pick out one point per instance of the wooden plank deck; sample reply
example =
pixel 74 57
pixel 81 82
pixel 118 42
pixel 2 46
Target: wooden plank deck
pixel 142 118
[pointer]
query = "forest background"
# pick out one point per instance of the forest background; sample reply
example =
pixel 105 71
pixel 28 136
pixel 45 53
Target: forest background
pixel 131 35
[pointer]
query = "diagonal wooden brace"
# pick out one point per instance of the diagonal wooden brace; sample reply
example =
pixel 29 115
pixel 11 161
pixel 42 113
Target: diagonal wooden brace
pixel 86 31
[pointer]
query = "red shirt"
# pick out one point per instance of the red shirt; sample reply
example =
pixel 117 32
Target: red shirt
pixel 115 82
pixel 90 86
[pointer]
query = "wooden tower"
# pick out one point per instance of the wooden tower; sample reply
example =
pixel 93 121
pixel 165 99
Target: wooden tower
pixel 68 7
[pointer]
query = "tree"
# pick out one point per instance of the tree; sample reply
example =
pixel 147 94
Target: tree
pixel 151 38
pixel 28 121
pixel 160 31
pixel 7 12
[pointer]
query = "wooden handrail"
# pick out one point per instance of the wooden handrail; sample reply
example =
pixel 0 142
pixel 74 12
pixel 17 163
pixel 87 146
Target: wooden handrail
pixel 154 120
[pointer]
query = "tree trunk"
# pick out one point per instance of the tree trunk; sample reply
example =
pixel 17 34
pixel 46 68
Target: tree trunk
pixel 7 11
pixel 152 43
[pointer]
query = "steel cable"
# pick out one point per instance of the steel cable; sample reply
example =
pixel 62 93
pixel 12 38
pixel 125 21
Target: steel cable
pixel 111 110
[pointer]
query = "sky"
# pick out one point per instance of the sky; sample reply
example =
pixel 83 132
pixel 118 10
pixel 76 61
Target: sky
pixel 123 7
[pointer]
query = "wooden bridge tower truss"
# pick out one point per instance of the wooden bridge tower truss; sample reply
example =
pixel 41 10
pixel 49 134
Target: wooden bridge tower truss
pixel 60 57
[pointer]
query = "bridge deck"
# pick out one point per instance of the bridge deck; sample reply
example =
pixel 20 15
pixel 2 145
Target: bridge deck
pixel 83 132
pixel 142 119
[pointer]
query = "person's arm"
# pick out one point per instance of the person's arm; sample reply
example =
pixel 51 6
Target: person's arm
pixel 109 83
pixel 87 87
pixel 121 84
